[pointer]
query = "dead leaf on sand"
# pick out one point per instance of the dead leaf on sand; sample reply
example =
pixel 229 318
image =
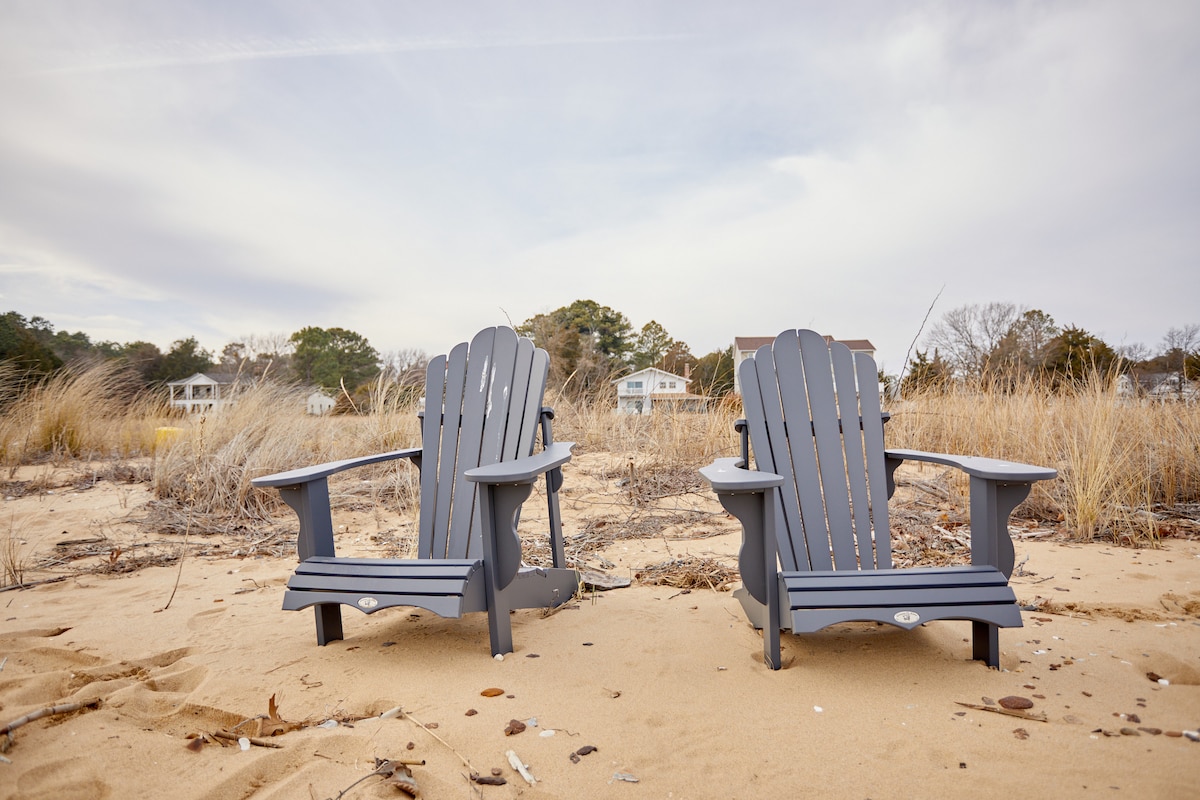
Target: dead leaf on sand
pixel 273 724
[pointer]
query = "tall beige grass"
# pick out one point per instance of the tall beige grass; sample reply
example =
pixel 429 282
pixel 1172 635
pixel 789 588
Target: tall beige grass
pixel 82 411
pixel 670 438
pixel 209 466
pixel 1118 458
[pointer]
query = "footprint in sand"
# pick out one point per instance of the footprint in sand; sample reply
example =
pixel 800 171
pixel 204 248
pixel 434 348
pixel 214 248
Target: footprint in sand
pixel 203 620
pixel 62 779
pixel 1181 605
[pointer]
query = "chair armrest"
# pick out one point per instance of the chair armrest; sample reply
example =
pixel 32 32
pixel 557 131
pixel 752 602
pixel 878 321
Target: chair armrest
pixel 306 490
pixel 307 474
pixel 523 470
pixel 729 475
pixel 992 469
pixel 749 495
pixel 997 487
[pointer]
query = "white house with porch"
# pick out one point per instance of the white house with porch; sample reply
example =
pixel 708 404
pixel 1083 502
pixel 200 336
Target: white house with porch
pixel 202 392
pixel 647 389
pixel 745 346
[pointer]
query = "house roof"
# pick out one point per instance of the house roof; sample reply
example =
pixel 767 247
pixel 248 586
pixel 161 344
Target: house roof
pixel 743 343
pixel 751 342
pixel 221 378
pixel 654 370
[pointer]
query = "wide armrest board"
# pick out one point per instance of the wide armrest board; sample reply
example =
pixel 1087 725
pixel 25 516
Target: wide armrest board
pixel 978 467
pixel 728 475
pixel 306 474
pixel 523 470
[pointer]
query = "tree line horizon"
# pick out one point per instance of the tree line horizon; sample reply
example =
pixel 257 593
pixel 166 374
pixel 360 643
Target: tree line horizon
pixel 590 345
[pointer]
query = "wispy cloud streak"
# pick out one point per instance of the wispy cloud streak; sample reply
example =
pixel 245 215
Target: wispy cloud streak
pixel 180 53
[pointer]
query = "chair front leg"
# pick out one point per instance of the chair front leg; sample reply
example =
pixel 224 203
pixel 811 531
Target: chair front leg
pixel 499 505
pixel 985 643
pixel 992 502
pixel 310 501
pixel 758 561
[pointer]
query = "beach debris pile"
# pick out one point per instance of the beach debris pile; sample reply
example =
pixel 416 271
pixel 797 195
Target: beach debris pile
pixel 690 572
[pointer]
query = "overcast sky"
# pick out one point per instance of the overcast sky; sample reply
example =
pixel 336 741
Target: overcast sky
pixel 415 171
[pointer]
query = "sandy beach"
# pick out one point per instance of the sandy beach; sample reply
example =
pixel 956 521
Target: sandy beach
pixel 646 691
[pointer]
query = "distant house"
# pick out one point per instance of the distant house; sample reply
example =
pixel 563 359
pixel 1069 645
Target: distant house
pixel 645 390
pixel 319 403
pixel 203 392
pixel 745 346
pixel 1170 386
pixel 1160 386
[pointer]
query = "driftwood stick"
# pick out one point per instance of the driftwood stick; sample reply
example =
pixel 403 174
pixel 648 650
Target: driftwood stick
pixel 73 542
pixel 233 737
pixel 49 711
pixel 31 584
pixel 399 712
pixel 1006 711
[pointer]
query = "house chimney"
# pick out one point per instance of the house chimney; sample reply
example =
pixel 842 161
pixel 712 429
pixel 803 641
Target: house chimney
pixel 687 371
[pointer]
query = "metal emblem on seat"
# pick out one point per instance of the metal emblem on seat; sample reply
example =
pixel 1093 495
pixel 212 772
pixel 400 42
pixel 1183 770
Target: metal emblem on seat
pixel 907 617
pixel 368 602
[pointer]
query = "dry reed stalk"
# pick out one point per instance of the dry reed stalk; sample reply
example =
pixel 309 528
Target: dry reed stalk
pixel 13 558
pixel 1099 469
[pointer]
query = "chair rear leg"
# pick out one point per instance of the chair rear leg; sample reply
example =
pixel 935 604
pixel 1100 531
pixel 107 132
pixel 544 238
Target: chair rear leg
pixel 772 653
pixel 985 643
pixel 329 622
pixel 500 627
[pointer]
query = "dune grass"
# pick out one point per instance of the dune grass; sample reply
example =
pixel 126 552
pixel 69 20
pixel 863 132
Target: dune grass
pixel 1118 458
pixel 1119 461
pixel 668 437
pixel 81 412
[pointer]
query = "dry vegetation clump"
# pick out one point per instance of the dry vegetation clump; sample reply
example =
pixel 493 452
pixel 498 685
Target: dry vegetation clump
pixel 690 572
pixel 1129 469
pixel 205 471
pixel 1119 459
pixel 14 558
pixel 81 411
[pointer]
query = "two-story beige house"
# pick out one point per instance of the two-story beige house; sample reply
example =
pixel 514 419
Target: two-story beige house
pixel 744 347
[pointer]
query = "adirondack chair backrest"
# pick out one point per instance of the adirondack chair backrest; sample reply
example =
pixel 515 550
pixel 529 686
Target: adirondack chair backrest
pixel 832 509
pixel 483 403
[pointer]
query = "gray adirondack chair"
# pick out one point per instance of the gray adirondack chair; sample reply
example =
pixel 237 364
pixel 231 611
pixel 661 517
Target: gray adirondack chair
pixel 483 410
pixel 816 544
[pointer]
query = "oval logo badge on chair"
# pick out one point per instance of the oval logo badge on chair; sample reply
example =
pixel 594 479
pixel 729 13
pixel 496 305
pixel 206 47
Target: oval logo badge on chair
pixel 905 617
pixel 368 602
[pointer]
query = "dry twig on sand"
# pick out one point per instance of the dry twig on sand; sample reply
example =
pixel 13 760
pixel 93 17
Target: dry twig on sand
pixel 49 711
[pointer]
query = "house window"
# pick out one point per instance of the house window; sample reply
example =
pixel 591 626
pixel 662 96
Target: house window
pixel 631 385
pixel 662 384
pixel 671 385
